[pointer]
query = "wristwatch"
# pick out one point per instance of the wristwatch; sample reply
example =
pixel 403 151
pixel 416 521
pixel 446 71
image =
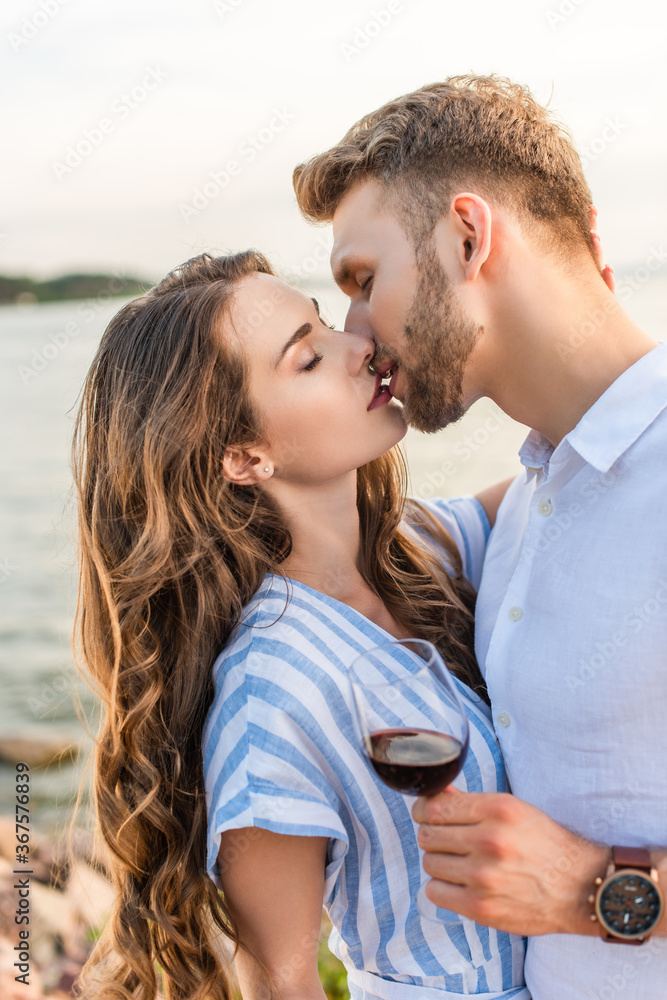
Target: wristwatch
pixel 628 902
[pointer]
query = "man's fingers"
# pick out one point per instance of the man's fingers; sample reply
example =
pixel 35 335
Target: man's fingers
pixel 450 897
pixel 441 808
pixel 455 808
pixel 445 839
pixel 452 868
pixel 609 280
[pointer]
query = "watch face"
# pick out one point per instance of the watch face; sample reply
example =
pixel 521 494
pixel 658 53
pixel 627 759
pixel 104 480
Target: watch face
pixel 629 905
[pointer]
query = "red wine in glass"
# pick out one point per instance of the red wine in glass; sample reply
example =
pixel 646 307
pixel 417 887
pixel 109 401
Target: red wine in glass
pixel 416 761
pixel 400 690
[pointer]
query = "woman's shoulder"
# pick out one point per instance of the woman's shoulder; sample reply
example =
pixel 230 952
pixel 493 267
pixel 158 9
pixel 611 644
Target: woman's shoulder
pixel 288 637
pixel 279 683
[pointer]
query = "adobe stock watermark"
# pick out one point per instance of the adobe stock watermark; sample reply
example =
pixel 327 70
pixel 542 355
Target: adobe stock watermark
pixel 604 828
pixel 285 980
pixel 45 699
pixel 248 151
pixel 312 261
pixel 88 310
pixel 625 289
pixel 608 649
pixel 612 128
pixel 564 10
pixel 265 307
pixel 464 449
pixel 616 984
pixel 6 570
pixel 634 282
pixel 560 519
pixel 365 33
pixel 92 138
pixel 34 23
pixel 225 7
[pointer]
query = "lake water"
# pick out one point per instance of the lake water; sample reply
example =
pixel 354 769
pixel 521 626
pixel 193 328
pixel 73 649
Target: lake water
pixel 45 351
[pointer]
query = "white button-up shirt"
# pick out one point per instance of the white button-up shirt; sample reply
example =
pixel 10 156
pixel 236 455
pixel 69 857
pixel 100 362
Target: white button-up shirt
pixel 572 638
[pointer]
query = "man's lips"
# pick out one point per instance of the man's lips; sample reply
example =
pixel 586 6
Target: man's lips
pixel 392 382
pixel 384 367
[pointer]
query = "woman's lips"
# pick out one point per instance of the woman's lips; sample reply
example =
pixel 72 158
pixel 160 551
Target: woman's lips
pixel 381 395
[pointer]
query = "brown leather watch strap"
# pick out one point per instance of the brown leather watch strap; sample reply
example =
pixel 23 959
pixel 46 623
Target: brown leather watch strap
pixel 631 857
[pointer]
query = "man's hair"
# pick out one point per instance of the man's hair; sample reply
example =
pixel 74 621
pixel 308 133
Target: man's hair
pixel 480 133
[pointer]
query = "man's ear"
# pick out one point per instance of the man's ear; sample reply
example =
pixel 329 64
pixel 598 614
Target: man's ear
pixel 470 218
pixel 245 467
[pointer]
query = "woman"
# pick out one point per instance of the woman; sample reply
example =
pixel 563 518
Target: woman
pixel 239 498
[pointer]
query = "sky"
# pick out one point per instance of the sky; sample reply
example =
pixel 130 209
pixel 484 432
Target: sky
pixel 141 132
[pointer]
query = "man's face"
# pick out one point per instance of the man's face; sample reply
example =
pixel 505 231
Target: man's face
pixel 404 301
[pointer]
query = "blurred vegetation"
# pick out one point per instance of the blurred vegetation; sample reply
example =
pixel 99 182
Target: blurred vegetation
pixel 332 975
pixel 69 286
pixel 332 971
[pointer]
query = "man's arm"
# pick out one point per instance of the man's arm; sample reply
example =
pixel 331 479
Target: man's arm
pixel 491 498
pixel 274 889
pixel 506 864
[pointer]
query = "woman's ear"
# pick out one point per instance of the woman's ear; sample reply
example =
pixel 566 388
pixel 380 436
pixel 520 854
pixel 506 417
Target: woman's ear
pixel 245 467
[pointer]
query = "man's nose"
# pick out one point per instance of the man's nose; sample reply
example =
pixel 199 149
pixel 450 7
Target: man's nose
pixel 362 350
pixel 356 320
pixel 357 323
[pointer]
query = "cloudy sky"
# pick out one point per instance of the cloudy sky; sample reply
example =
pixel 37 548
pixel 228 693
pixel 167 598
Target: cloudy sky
pixel 121 119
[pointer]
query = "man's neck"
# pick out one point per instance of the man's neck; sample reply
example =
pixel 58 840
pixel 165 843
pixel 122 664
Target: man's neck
pixel 557 348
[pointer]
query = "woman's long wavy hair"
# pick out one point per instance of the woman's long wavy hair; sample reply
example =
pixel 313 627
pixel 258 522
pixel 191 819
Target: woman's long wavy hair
pixel 169 554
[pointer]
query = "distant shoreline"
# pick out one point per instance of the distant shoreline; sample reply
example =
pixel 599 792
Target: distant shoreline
pixel 24 290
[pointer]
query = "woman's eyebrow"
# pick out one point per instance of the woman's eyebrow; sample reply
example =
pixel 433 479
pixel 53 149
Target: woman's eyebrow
pixel 298 335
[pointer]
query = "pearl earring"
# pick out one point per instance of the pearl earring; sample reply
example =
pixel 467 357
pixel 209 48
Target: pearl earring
pixel 266 468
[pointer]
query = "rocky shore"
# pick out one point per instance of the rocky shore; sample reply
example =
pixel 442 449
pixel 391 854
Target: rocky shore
pixel 68 905
pixel 68 895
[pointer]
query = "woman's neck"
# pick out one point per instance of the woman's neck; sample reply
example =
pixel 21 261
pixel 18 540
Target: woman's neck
pixel 326 546
pixel 323 520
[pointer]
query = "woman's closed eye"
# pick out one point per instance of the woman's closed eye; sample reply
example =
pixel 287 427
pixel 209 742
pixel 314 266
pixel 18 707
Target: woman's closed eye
pixel 312 364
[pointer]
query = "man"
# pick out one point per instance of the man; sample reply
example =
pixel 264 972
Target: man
pixel 461 224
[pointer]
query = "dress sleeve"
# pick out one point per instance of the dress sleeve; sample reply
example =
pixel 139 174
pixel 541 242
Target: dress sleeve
pixel 266 765
pixel 466 521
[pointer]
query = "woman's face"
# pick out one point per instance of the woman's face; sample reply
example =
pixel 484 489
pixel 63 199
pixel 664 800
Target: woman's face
pixel 310 385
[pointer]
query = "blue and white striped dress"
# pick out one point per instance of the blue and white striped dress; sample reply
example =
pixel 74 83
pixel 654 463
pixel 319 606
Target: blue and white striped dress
pixel 280 753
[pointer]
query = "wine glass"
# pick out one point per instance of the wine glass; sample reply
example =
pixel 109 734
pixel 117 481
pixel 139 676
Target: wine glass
pixel 411 725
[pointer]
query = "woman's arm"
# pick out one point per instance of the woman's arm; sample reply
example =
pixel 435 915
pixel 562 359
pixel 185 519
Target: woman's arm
pixel 491 497
pixel 274 889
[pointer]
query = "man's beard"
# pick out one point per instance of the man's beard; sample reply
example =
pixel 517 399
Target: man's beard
pixel 440 339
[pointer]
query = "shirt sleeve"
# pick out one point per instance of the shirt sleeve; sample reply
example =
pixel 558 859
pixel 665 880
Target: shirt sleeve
pixel 265 767
pixel 466 521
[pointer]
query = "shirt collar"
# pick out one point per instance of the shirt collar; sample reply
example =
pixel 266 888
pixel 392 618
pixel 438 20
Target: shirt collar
pixel 535 453
pixel 614 421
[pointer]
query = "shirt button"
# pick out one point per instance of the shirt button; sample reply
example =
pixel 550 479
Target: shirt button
pixel 545 508
pixel 503 719
pixel 515 614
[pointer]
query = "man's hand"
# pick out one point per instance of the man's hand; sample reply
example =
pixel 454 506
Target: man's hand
pixel 606 271
pixel 506 864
